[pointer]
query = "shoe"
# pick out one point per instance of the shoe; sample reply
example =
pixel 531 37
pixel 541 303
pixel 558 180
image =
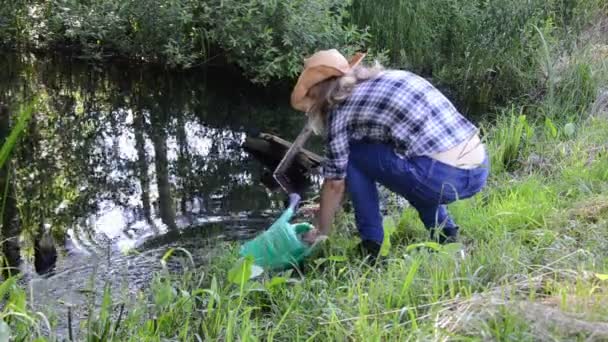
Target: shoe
pixel 370 250
pixel 447 235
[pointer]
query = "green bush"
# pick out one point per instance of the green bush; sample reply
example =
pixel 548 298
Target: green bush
pixel 156 30
pixel 14 26
pixel 266 39
pixel 485 52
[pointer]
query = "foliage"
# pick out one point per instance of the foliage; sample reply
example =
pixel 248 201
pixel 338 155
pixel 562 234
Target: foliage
pixel 508 140
pixel 534 264
pixel 280 33
pixel 445 40
pixel 266 39
pixel 483 52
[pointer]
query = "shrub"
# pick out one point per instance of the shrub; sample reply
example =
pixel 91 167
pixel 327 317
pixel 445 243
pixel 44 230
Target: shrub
pixel 266 39
pixel 484 52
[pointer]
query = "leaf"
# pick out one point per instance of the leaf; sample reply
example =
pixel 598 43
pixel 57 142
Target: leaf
pixel 337 258
pixel 570 129
pixel 256 287
pixel 5 332
pixel 389 228
pixel 452 248
pixel 551 127
pixel 411 274
pixel 166 257
pixel 276 281
pixel 6 286
pixel 164 293
pixel 241 271
pixel 432 245
pixel 601 276
pixel 25 113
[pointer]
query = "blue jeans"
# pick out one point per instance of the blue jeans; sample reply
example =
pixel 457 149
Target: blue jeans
pixel 427 184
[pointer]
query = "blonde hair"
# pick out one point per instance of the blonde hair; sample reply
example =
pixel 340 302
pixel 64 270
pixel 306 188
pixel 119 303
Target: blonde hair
pixel 333 91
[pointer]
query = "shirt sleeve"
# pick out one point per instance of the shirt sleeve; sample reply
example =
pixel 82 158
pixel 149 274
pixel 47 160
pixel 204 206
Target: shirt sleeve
pixel 336 149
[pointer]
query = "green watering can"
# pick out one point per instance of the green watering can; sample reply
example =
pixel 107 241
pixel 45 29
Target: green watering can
pixel 280 246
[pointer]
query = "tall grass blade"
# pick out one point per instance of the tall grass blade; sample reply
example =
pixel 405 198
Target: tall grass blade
pixel 22 119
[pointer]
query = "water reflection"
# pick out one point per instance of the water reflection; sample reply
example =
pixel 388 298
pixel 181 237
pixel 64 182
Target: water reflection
pixel 117 154
pixel 119 157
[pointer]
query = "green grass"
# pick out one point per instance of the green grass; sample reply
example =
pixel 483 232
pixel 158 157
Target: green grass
pixel 535 242
pixel 14 308
pixel 483 53
pixel 24 114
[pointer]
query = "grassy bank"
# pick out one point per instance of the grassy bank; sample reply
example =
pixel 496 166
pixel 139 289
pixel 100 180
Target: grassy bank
pixel 535 265
pixel 535 268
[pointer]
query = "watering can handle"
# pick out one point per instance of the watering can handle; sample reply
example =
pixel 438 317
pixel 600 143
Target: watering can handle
pixel 294 200
pixel 279 173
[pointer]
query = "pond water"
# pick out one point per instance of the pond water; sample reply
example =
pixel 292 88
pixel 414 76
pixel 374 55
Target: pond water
pixel 123 157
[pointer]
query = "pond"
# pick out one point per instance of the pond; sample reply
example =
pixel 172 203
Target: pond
pixel 124 157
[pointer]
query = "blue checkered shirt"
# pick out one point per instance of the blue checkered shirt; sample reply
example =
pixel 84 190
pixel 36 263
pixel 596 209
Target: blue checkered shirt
pixel 398 108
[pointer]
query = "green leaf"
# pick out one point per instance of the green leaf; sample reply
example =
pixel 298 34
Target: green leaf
pixel 166 257
pixel 452 248
pixel 5 332
pixel 337 258
pixel 389 228
pixel 570 129
pixel 164 293
pixel 319 261
pixel 241 271
pixel 551 127
pixel 601 276
pixel 432 245
pixel 17 299
pixel 6 286
pixel 256 287
pixel 411 274
pixel 25 113
pixel 276 281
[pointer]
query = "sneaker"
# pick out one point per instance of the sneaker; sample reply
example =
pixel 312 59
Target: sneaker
pixel 447 235
pixel 370 250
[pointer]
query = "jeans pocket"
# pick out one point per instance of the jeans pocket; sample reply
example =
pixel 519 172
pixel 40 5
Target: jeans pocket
pixel 425 183
pixel 477 180
pixel 444 183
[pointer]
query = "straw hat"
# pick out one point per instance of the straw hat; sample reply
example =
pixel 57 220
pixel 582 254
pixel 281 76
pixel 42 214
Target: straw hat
pixel 317 68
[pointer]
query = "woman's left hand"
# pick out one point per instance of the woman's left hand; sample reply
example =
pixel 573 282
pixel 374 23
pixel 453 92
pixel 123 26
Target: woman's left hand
pixel 312 236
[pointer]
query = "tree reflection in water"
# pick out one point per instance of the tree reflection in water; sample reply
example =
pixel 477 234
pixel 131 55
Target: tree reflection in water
pixel 115 153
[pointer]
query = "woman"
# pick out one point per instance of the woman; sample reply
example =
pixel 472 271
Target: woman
pixel 390 127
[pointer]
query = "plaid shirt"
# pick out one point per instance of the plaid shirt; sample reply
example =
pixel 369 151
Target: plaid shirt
pixel 398 108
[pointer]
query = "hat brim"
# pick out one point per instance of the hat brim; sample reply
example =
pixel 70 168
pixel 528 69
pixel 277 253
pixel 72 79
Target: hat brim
pixel 314 75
